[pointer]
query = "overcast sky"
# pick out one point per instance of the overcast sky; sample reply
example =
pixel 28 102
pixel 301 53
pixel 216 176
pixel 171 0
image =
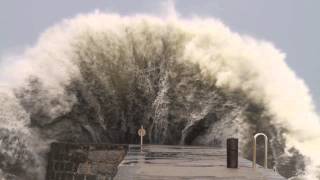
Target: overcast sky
pixel 293 26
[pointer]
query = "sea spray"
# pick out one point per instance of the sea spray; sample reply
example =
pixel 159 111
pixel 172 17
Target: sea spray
pixel 98 77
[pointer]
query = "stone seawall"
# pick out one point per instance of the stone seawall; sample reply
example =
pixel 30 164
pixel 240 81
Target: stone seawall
pixel 68 161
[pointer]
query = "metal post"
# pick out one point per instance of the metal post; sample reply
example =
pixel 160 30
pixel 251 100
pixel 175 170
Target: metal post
pixel 141 133
pixel 232 153
pixel 141 140
pixel 255 150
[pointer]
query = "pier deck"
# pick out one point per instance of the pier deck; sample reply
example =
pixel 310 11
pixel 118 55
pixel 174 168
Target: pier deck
pixel 157 162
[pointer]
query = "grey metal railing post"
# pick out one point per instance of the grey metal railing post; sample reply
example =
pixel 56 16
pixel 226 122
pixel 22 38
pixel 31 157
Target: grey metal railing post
pixel 254 162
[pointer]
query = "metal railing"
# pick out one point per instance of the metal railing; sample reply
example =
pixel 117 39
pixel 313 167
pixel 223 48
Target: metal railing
pixel 255 150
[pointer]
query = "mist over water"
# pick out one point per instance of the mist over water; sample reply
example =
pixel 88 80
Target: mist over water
pixel 98 77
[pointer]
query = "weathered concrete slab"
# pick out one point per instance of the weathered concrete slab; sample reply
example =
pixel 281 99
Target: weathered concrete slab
pixel 157 162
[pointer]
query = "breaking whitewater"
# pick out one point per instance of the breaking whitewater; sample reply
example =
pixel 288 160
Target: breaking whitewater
pixel 98 77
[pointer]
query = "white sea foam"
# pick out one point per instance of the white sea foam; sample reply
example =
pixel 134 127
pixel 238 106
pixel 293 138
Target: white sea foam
pixel 230 61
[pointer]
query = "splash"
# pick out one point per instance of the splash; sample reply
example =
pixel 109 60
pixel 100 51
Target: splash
pixel 98 77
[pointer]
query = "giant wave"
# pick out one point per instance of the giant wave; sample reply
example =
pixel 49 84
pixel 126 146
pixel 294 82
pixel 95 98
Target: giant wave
pixel 98 77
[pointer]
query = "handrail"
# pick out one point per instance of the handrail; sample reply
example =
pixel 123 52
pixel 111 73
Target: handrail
pixel 255 150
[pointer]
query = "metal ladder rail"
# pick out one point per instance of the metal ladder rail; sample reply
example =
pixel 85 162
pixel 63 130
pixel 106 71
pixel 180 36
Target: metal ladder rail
pixel 255 150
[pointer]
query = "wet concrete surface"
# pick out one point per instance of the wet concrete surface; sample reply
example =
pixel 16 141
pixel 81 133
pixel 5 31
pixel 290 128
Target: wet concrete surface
pixel 161 162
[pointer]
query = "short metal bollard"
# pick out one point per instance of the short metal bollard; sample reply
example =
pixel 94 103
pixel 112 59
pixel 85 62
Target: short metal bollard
pixel 232 153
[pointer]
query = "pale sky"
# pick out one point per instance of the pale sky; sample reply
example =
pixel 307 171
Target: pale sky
pixel 292 26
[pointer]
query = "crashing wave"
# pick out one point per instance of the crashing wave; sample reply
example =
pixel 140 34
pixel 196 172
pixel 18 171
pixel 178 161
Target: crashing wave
pixel 98 77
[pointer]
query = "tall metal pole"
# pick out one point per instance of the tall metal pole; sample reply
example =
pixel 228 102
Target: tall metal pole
pixel 141 138
pixel 141 133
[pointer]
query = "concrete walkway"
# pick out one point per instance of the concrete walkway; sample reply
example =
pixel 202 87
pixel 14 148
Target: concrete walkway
pixel 160 162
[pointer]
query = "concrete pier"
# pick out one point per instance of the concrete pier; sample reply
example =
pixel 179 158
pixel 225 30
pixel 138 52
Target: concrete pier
pixel 160 162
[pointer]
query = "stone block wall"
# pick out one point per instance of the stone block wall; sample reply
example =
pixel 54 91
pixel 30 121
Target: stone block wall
pixel 68 161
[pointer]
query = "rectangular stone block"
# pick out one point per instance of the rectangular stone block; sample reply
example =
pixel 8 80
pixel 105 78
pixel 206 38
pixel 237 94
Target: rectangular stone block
pixel 58 166
pixel 79 177
pixel 58 176
pixel 50 175
pixel 67 176
pixel 91 177
pixel 68 166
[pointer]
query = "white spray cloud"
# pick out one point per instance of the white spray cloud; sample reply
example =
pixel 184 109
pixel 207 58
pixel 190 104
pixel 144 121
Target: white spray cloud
pixel 231 61
pixel 258 69
pixel 169 10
